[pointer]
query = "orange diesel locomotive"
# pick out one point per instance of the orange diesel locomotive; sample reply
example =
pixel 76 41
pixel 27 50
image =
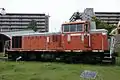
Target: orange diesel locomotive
pixel 78 41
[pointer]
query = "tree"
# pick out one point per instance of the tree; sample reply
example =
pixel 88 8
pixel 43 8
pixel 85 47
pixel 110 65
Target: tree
pixel 102 25
pixel 32 25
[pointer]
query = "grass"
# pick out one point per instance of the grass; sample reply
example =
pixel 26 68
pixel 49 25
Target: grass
pixel 54 71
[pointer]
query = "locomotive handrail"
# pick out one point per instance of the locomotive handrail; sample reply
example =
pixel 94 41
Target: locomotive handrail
pixel 7 44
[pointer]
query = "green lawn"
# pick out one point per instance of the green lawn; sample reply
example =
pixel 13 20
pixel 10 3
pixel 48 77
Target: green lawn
pixel 54 71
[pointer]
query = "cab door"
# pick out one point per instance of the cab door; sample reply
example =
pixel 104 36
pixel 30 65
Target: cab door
pixel 86 36
pixel 86 41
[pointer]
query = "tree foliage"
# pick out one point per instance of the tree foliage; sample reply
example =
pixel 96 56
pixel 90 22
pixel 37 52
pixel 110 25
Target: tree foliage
pixel 32 25
pixel 102 25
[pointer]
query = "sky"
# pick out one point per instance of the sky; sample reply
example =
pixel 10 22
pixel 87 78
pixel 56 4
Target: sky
pixel 58 10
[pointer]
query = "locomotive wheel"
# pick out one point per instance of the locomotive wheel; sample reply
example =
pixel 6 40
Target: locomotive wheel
pixel 87 59
pixel 92 59
pixel 12 57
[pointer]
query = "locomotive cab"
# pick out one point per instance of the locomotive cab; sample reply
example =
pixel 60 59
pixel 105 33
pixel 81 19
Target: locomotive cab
pixel 76 35
pixel 75 27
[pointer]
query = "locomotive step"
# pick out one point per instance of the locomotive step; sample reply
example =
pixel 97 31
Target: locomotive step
pixel 106 57
pixel 107 61
pixel 106 53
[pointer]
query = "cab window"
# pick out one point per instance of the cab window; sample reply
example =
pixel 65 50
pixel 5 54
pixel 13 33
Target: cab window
pixel 73 27
pixel 66 28
pixel 79 27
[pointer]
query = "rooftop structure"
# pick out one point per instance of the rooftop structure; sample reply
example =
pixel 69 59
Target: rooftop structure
pixel 108 17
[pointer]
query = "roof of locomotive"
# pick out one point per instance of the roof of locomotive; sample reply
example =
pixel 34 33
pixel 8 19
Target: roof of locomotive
pixel 10 34
pixel 98 30
pixel 27 33
pixel 40 34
